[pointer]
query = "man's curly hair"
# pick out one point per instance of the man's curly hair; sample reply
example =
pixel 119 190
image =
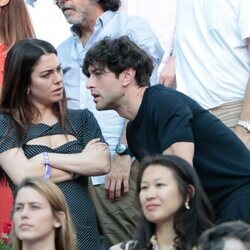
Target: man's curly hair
pixel 112 5
pixel 118 55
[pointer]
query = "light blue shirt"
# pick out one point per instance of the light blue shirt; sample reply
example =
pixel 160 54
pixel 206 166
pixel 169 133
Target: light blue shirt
pixel 72 52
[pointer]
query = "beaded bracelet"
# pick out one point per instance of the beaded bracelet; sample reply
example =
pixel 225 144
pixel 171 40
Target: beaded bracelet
pixel 47 173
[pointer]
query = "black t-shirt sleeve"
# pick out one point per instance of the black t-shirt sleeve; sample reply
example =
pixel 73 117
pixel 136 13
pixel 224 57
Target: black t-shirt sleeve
pixel 8 137
pixel 172 119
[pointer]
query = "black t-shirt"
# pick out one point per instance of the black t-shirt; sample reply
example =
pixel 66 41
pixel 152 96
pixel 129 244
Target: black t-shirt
pixel 167 116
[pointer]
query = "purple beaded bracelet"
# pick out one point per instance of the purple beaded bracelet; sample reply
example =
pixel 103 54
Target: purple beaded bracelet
pixel 47 173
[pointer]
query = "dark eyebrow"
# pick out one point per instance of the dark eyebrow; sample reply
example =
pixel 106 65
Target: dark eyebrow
pixel 51 70
pixel 95 70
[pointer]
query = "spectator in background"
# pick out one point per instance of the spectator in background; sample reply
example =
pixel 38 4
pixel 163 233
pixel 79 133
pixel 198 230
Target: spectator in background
pixel 213 59
pixel 161 16
pixel 114 194
pixel 175 208
pixel 41 218
pixel 14 26
pixel 48 21
pixel 226 236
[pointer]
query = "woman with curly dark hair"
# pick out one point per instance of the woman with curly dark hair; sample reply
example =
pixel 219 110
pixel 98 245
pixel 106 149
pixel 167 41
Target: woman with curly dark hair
pixel 175 208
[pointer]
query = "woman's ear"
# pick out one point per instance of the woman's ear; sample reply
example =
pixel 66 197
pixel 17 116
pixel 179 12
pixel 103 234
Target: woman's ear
pixel 190 192
pixel 59 218
pixel 3 2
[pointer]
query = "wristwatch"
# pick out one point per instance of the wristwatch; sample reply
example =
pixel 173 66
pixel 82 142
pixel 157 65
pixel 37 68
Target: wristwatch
pixel 245 124
pixel 123 149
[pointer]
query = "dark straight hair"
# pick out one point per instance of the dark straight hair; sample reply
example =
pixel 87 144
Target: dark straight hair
pixel 15 102
pixel 19 64
pixel 188 224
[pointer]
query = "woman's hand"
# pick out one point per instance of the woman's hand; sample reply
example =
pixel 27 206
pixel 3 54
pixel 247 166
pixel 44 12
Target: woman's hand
pixel 95 145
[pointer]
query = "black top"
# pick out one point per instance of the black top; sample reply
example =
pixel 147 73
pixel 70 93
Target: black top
pixel 84 127
pixel 167 116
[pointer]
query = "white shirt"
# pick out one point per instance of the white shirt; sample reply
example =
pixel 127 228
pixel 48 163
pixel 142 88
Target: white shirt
pixel 212 58
pixel 48 21
pixel 161 16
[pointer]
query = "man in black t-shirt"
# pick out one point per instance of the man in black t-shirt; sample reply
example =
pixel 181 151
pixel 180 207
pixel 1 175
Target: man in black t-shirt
pixel 165 121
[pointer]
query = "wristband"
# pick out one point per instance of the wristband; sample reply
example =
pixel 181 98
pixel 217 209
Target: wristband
pixel 47 173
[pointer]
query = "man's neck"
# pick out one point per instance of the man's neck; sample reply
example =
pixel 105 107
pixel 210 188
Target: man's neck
pixel 131 103
pixel 88 30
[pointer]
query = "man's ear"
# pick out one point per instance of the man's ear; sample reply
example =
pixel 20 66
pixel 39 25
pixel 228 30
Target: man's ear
pixel 3 2
pixel 127 76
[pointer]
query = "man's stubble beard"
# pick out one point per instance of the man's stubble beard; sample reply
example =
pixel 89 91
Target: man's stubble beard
pixel 79 19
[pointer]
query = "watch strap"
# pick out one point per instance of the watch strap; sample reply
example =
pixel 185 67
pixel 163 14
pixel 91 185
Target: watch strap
pixel 245 124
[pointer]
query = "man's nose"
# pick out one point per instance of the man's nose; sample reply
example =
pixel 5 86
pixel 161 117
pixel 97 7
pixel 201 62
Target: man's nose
pixel 90 83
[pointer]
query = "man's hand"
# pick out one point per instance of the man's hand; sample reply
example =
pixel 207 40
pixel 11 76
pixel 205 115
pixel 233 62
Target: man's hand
pixel 244 135
pixel 117 181
pixel 167 73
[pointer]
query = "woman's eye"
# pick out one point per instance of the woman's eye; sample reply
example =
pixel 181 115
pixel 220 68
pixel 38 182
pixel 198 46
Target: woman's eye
pixel 143 187
pixel 160 184
pixel 18 208
pixel 35 207
pixel 45 76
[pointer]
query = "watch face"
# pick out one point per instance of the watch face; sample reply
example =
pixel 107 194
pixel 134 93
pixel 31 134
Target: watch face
pixel 121 148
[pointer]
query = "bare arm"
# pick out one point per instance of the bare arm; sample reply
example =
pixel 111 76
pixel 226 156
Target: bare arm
pixel 17 167
pixel 182 149
pixel 167 73
pixel 241 132
pixel 93 160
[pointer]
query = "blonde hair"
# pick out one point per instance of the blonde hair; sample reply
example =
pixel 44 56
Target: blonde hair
pixel 64 236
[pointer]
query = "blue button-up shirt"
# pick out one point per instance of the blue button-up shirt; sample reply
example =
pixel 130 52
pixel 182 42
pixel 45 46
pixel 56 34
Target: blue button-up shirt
pixel 72 52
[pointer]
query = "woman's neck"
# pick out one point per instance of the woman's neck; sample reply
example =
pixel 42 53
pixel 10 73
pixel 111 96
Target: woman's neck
pixel 47 116
pixel 165 235
pixel 41 245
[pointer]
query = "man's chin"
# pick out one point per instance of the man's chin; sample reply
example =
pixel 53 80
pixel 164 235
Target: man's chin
pixel 101 107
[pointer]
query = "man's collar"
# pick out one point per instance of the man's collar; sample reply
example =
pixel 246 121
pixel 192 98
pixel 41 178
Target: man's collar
pixel 31 2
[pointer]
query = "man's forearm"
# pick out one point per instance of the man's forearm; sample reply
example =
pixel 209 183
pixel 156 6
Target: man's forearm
pixel 245 112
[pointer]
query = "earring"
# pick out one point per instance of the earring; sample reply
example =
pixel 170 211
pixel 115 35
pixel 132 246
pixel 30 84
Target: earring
pixel 28 91
pixel 187 205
